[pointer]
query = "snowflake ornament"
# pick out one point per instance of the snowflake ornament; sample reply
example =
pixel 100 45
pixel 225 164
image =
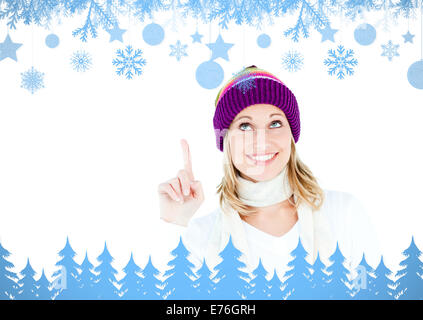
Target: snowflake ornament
pixel 129 62
pixel 341 62
pixel 81 61
pixel 390 50
pixel 292 61
pixel 32 80
pixel 244 83
pixel 178 50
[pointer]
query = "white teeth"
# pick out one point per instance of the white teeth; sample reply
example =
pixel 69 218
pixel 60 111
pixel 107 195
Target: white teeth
pixel 263 158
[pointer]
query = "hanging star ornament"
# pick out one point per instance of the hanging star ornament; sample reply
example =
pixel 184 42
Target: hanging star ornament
pixel 8 49
pixel 327 33
pixel 219 48
pixel 196 37
pixel 408 37
pixel 116 33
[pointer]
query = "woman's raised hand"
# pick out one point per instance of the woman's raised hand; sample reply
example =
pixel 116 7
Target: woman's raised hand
pixel 181 196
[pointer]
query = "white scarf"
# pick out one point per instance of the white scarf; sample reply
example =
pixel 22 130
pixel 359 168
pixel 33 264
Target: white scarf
pixel 265 193
pixel 315 233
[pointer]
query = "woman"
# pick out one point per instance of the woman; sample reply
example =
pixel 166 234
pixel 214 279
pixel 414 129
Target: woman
pixel 269 199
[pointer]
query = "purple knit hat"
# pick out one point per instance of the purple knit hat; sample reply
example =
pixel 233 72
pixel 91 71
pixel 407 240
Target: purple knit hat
pixel 253 86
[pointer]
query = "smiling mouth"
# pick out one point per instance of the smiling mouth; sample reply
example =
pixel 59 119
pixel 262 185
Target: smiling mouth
pixel 263 159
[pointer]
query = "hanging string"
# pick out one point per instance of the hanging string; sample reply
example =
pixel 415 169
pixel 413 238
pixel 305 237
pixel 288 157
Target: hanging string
pixel 390 28
pixel 32 43
pixel 243 45
pixel 421 30
pixel 129 25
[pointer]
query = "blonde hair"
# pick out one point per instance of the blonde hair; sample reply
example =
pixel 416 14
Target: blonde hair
pixel 303 184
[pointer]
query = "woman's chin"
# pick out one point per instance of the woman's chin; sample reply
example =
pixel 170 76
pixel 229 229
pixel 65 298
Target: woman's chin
pixel 258 174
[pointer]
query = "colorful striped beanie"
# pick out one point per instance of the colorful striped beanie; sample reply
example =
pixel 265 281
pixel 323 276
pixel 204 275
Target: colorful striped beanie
pixel 253 86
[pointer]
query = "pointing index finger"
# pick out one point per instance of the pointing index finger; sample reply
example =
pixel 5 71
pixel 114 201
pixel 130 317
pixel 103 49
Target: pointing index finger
pixel 187 158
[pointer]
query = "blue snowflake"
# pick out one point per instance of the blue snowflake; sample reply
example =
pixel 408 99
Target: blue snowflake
pixel 342 62
pixel 390 50
pixel 81 61
pixel 178 50
pixel 292 61
pixel 32 80
pixel 244 83
pixel 129 62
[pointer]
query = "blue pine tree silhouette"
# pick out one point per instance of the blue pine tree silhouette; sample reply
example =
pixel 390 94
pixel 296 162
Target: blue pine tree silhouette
pixel 151 285
pixel 106 278
pixel 383 285
pixel 8 279
pixel 319 280
pixel 275 287
pixel 203 284
pixel 409 285
pixel 363 283
pixel 259 284
pixel 338 286
pixel 232 283
pixel 132 281
pixel 43 288
pixel 179 283
pixel 27 288
pixel 298 285
pixel 67 277
pixel 87 280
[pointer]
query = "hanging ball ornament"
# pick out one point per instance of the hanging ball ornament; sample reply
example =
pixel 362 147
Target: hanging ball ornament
pixel 415 74
pixel 263 41
pixel 52 40
pixel 365 34
pixel 153 34
pixel 209 74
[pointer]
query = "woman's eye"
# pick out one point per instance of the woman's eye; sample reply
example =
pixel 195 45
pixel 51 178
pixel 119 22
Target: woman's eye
pixel 243 124
pixel 279 122
pixel 246 124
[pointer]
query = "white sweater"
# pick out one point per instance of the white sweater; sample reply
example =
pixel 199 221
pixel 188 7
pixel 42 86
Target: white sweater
pixel 275 252
pixel 349 224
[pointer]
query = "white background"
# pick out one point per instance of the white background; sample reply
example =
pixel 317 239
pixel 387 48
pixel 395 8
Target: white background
pixel 83 156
